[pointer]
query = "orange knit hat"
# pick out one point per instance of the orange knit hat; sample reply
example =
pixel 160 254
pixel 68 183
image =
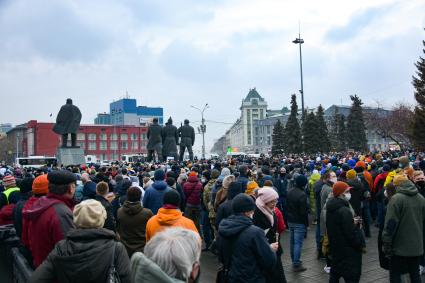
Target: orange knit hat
pixel 40 186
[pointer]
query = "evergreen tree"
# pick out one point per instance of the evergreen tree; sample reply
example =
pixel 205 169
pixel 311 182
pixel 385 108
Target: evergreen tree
pixel 341 134
pixel 278 138
pixel 417 127
pixel 309 130
pixel 356 134
pixel 292 130
pixel 333 130
pixel 323 143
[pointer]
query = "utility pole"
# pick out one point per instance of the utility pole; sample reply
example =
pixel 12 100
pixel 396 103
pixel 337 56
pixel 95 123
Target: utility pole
pixel 300 41
pixel 203 126
pixel 17 145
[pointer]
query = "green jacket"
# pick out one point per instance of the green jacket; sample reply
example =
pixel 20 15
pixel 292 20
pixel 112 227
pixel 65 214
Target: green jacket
pixel 404 221
pixel 146 271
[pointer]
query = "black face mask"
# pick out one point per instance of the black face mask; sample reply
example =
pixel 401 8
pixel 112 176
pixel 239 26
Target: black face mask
pixel 282 174
pixel 421 184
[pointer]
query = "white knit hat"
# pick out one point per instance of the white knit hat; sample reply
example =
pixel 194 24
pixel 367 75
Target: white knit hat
pixel 89 214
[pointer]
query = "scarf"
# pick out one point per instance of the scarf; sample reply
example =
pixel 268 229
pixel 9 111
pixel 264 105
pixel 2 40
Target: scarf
pixel 266 195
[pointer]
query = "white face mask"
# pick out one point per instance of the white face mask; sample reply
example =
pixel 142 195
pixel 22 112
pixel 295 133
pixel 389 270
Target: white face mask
pixel 334 180
pixel 347 196
pixel 385 194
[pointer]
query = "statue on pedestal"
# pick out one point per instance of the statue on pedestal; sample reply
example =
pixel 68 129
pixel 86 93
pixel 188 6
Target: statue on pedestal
pixel 154 141
pixel 68 122
pixel 187 139
pixel 170 138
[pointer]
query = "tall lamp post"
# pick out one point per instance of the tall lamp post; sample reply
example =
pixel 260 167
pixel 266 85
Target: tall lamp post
pixel 17 145
pixel 300 41
pixel 203 127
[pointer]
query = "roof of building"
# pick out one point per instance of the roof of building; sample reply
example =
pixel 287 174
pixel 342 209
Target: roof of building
pixel 253 94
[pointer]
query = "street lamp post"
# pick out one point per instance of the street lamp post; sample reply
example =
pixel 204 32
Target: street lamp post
pixel 17 145
pixel 203 127
pixel 300 41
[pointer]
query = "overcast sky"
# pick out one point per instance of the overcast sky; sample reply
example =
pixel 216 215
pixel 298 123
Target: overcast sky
pixel 177 53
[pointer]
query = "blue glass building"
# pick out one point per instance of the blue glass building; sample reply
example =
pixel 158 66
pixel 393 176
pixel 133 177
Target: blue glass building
pixel 126 112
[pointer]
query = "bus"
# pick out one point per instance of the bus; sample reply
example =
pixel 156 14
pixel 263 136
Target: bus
pixel 35 161
pixel 132 158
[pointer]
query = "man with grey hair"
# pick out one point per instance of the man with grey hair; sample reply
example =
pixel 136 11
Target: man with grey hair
pixel 172 255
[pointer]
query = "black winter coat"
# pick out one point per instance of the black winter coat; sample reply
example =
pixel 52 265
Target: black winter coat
pixel 250 254
pixel 85 255
pixel 345 239
pixel 17 215
pixel 357 195
pixel 260 220
pixel 224 211
pixel 297 206
pixel 110 219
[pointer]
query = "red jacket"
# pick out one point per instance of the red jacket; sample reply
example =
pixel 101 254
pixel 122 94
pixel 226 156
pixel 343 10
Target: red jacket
pixel 6 214
pixel 192 191
pixel 379 178
pixel 48 221
pixel 25 225
pixel 280 223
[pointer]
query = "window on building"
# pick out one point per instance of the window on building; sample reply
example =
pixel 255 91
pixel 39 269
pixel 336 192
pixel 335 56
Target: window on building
pixel 92 146
pixel 103 137
pixel 103 156
pixel 113 145
pixel 103 145
pixel 114 137
pixel 135 145
pixel 114 156
pixel 133 137
pixel 82 145
pixel 92 137
pixel 261 114
pixel 268 140
pixel 124 137
pixel 143 136
pixel 81 136
pixel 124 145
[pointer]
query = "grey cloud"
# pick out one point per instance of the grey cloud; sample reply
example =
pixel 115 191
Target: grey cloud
pixel 53 31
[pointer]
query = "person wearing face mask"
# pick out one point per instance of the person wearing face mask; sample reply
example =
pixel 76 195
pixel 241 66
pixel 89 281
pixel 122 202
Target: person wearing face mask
pixel 281 184
pixel 244 251
pixel 345 236
pixel 266 219
pixel 419 180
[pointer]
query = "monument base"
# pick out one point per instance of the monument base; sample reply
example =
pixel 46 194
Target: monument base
pixel 70 156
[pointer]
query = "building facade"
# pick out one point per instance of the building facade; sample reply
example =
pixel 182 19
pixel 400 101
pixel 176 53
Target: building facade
pixel 241 133
pixel 126 112
pixel 106 142
pixel 262 128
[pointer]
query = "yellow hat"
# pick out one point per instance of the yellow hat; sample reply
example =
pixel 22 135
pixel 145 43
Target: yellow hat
pixel 250 188
pixel 351 174
pixel 399 179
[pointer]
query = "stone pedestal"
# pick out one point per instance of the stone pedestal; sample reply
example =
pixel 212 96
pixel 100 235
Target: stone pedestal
pixel 70 156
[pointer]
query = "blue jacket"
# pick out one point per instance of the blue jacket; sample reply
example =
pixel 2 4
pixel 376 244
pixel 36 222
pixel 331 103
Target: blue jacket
pixel 251 255
pixel 89 190
pixel 153 198
pixel 244 182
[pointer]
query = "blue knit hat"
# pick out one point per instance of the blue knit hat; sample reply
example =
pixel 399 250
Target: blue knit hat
pixel 159 175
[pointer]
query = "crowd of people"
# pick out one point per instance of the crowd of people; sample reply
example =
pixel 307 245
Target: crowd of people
pixel 149 222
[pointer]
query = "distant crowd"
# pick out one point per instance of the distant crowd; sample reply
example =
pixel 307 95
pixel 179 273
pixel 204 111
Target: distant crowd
pixel 150 222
